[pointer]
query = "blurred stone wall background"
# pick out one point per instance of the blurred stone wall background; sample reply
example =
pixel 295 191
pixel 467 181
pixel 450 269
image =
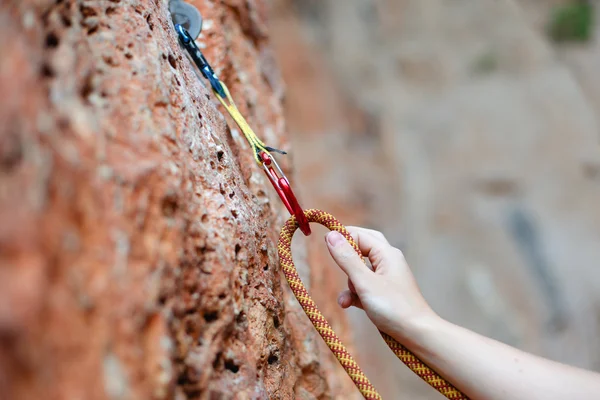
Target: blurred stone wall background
pixel 470 138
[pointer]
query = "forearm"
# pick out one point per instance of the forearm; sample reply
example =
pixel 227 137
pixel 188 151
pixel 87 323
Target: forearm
pixel 485 369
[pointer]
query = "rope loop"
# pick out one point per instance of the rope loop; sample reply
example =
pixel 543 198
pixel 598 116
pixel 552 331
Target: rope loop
pixel 329 336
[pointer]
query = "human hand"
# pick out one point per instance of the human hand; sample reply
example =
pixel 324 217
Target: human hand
pixel 388 292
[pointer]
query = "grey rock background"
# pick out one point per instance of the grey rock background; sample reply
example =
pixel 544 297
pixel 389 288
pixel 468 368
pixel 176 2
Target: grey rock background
pixel 476 151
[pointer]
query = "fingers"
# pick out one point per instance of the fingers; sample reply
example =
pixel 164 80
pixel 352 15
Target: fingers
pixel 373 245
pixel 367 239
pixel 347 259
pixel 347 299
pixel 355 230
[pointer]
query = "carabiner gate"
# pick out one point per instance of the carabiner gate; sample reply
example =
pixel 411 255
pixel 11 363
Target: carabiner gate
pixel 284 190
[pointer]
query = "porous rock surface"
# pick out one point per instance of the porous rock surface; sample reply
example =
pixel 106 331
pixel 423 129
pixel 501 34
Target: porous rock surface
pixel 137 235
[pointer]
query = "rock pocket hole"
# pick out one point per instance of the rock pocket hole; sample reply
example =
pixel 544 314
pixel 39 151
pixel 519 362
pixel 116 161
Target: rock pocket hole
pixel 92 30
pixel 52 41
pixel 46 71
pixel 211 316
pixel 87 87
pixel 241 318
pixel 232 366
pixel 273 358
pixel 149 22
pixel 87 11
pixel 172 61
pixel 169 206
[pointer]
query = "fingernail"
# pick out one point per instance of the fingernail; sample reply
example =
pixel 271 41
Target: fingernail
pixel 340 300
pixel 334 238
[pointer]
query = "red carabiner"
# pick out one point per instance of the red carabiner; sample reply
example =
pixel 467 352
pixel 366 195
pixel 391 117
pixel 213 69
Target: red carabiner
pixel 285 192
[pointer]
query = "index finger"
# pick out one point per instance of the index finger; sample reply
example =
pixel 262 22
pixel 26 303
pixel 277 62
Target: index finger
pixel 368 239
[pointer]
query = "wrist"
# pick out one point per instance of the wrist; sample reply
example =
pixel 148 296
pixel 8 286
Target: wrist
pixel 413 331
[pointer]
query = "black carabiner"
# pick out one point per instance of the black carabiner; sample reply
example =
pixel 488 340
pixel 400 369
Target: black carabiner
pixel 190 45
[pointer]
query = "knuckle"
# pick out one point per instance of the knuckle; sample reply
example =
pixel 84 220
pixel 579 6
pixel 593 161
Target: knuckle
pixel 376 232
pixel 377 255
pixel 387 252
pixel 398 253
pixel 345 254
pixel 378 235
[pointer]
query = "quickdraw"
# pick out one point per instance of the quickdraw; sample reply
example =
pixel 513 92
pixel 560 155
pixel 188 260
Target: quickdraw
pixel 300 219
pixel 262 152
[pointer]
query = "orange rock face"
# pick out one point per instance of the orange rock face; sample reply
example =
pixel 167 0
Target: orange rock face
pixel 137 234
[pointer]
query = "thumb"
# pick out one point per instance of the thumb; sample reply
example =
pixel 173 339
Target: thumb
pixel 347 259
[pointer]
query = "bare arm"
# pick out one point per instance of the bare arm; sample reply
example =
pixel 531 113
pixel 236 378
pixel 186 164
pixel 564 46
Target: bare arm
pixel 487 369
pixel 482 368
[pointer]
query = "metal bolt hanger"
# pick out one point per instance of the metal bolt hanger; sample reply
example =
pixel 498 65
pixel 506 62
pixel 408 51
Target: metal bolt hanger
pixel 186 15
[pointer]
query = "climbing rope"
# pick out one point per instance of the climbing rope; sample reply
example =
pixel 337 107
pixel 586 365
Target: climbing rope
pixel 300 220
pixel 322 326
